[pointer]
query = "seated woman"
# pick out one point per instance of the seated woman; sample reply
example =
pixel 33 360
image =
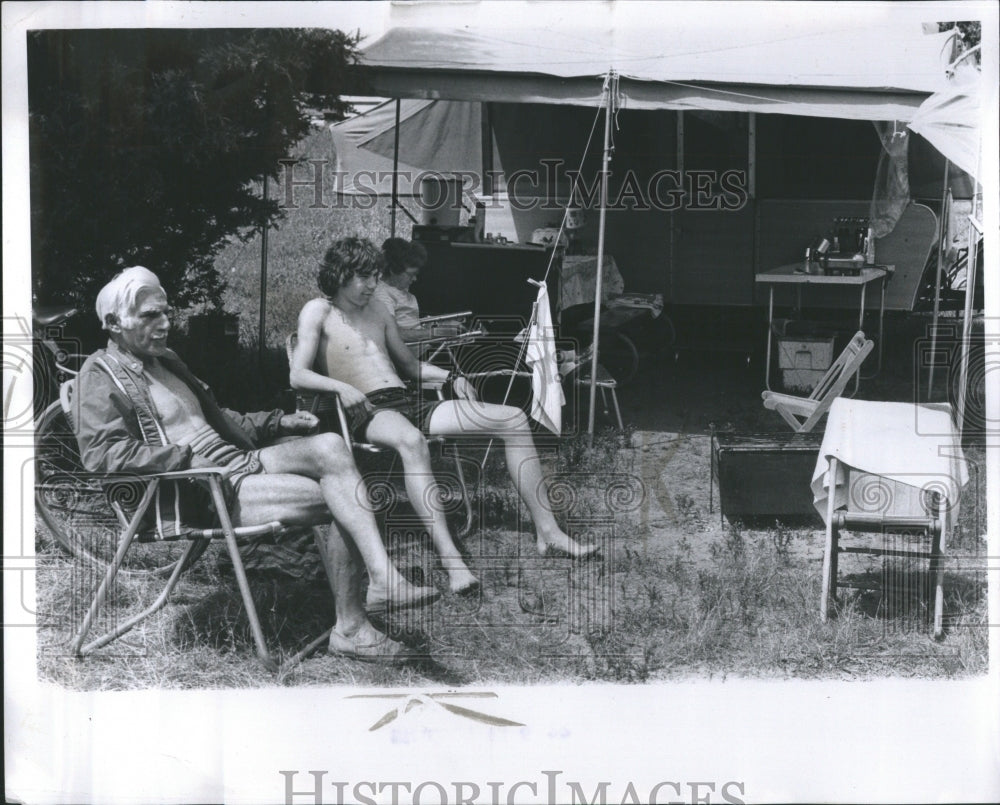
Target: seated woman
pixel 349 344
pixel 404 260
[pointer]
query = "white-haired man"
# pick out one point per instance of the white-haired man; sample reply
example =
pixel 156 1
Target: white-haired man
pixel 142 411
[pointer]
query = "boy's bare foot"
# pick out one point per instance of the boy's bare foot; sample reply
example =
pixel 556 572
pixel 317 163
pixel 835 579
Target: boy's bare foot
pixel 402 596
pixel 566 548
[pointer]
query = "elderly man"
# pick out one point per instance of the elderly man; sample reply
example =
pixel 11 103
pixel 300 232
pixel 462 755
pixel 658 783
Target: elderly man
pixel 141 410
pixel 349 344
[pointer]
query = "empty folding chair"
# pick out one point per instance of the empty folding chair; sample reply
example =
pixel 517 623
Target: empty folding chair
pixel 802 413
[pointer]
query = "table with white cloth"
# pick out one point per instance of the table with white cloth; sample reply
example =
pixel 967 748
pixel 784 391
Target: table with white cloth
pixel 895 469
pixel 915 447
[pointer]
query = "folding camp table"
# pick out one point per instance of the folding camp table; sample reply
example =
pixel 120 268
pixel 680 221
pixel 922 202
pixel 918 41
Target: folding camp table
pixel 794 275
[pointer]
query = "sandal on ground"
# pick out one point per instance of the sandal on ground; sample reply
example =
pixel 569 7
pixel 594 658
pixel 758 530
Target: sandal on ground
pixel 383 650
pixel 470 590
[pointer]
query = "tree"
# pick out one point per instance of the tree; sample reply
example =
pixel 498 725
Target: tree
pixel 145 144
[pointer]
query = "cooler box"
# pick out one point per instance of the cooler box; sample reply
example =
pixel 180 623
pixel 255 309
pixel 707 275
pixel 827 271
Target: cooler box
pixel 803 360
pixel 765 475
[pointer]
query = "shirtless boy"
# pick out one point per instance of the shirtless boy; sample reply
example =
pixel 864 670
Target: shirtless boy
pixel 350 344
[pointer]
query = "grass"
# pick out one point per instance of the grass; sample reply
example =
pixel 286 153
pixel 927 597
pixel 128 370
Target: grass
pixel 711 601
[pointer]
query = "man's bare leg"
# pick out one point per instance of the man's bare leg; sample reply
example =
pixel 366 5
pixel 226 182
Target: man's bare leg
pixel 391 429
pixel 343 564
pixel 307 481
pixel 460 418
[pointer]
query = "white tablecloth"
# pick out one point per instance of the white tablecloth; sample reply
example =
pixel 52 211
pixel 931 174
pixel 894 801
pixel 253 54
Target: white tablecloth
pixel 913 445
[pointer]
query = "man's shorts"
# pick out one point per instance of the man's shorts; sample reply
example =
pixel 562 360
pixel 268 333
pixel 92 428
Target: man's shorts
pixel 410 404
pixel 246 465
pixel 237 463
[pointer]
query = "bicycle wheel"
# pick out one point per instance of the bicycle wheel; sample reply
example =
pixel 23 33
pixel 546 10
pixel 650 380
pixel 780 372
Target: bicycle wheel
pixel 75 509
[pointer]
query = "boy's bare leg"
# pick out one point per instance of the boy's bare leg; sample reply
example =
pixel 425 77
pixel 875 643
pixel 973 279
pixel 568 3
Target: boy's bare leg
pixel 464 418
pixel 391 429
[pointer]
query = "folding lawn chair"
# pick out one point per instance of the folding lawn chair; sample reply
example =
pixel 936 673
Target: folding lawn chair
pixel 326 404
pixel 135 528
pixel 802 413
pixel 443 348
pixel 926 519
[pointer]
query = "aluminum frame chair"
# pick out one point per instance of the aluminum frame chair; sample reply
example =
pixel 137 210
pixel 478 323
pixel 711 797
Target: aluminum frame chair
pixel 326 403
pixel 579 374
pixel 802 413
pixel 133 532
pixel 438 347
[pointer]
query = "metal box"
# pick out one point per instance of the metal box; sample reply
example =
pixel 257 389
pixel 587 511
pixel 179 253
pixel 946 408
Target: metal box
pixel 765 475
pixel 804 360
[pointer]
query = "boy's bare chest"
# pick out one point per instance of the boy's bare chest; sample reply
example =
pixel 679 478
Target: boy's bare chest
pixel 340 326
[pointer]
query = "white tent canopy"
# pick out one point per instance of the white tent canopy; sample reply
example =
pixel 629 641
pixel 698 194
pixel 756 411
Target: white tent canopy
pixel 668 56
pixel 950 120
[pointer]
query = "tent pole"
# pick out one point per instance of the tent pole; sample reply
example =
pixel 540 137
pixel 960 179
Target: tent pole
pixel 611 86
pixel 975 231
pixel 944 229
pixel 395 170
pixel 263 290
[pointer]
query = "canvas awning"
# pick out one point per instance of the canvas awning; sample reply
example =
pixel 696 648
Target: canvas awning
pixel 443 136
pixel 950 120
pixel 688 58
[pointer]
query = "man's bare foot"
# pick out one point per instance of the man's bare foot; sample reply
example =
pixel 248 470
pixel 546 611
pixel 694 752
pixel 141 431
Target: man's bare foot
pixel 565 547
pixel 402 595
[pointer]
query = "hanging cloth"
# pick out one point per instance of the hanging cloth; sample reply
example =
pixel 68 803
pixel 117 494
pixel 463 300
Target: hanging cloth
pixel 547 397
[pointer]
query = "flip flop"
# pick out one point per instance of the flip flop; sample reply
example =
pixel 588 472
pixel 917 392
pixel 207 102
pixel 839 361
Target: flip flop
pixel 470 590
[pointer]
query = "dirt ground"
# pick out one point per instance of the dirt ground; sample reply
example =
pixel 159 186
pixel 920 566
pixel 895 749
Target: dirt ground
pixel 681 393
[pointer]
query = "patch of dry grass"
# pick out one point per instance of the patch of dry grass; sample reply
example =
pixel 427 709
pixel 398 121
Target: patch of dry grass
pixel 713 602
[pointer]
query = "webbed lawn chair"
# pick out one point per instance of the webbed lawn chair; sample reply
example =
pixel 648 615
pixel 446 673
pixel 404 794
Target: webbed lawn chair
pixel 325 405
pixel 802 413
pixel 443 348
pixel 123 490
